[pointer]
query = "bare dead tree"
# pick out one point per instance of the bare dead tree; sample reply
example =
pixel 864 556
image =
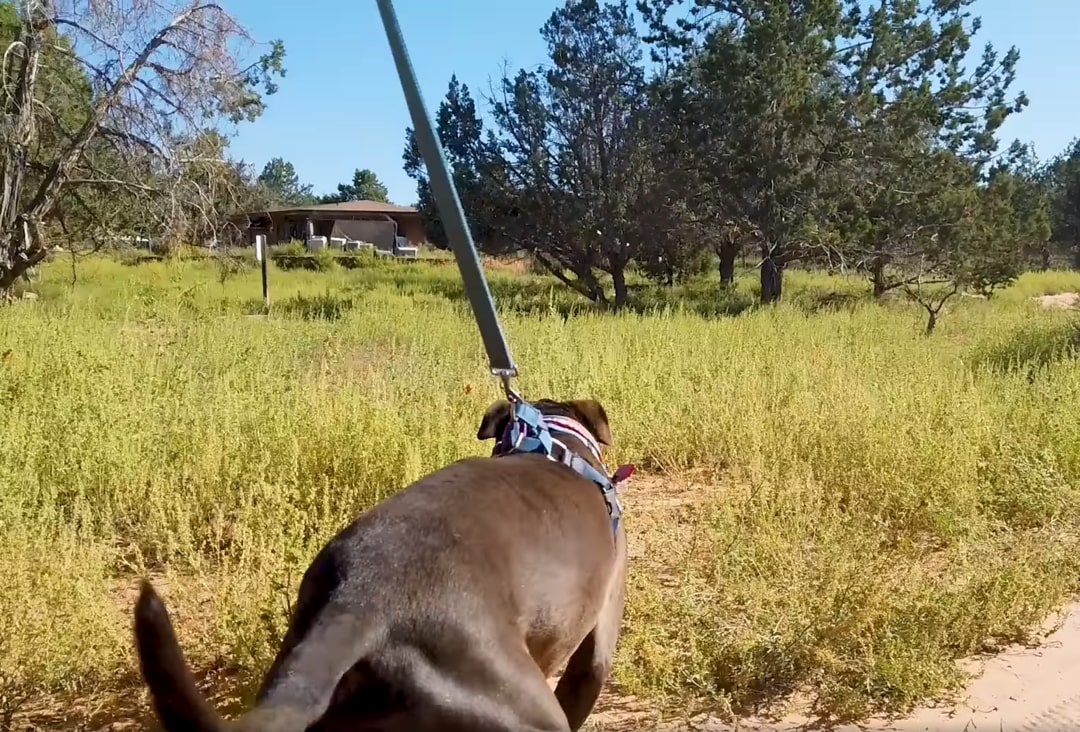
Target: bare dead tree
pixel 932 296
pixel 207 185
pixel 134 90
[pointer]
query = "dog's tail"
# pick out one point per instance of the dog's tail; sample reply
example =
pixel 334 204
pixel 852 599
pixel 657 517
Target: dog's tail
pixel 318 663
pixel 177 701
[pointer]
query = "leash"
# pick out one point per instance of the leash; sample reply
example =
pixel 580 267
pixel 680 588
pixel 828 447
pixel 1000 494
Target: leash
pixel 528 430
pixel 450 210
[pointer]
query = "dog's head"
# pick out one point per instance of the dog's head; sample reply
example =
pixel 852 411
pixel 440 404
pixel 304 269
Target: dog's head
pixel 587 412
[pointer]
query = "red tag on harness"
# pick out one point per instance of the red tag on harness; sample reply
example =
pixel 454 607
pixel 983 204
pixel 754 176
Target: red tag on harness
pixel 623 473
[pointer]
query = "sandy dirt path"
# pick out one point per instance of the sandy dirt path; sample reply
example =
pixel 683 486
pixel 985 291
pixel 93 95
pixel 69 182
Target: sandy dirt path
pixel 1061 301
pixel 1022 689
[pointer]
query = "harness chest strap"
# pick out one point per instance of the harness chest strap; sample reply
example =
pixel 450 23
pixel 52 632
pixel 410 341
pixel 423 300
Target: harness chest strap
pixel 529 431
pixel 608 486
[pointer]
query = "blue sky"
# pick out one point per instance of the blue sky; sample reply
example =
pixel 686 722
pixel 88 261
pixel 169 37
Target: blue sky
pixel 340 107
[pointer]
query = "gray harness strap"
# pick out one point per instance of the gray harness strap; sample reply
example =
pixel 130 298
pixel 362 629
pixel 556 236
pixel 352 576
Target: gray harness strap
pixel 529 431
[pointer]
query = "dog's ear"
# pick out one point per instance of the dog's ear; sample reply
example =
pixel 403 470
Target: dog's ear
pixel 494 421
pixel 594 417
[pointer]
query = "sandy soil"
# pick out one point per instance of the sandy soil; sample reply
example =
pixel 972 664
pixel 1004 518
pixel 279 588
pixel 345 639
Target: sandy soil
pixel 1020 689
pixel 1062 301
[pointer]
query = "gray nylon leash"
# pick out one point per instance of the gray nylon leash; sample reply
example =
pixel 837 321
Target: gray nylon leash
pixel 449 207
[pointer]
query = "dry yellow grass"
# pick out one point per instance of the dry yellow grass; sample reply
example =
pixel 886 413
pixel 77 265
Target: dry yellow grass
pixel 866 504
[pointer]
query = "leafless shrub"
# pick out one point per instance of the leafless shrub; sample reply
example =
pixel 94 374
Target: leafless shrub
pixel 116 115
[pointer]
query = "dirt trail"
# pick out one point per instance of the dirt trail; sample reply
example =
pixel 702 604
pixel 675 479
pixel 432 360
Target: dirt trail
pixel 1062 301
pixel 1020 690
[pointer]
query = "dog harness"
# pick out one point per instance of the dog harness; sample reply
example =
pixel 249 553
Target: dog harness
pixel 531 431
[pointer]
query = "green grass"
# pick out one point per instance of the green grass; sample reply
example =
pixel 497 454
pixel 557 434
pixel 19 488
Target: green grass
pixel 870 504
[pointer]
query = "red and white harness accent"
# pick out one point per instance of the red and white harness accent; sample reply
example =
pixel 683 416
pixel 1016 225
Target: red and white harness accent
pixel 572 427
pixel 558 424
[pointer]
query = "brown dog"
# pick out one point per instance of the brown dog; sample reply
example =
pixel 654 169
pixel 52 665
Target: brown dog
pixel 445 607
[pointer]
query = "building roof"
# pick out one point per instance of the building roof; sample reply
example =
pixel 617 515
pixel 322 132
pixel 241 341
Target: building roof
pixel 375 207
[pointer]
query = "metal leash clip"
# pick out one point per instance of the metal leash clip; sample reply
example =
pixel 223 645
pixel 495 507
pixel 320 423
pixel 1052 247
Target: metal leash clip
pixel 505 375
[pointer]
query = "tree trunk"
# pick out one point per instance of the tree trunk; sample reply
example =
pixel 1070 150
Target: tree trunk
pixel 772 280
pixel 933 308
pixel 1076 256
pixel 728 252
pixel 618 279
pixel 1041 254
pixel 877 277
pixel 583 282
pixel 21 264
pixel 17 253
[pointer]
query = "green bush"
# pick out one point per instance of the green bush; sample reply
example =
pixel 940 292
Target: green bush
pixel 295 256
pixel 363 259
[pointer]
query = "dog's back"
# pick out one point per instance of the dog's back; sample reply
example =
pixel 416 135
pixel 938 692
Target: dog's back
pixel 421 563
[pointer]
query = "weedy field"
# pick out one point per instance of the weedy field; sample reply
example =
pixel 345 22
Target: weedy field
pixel 831 503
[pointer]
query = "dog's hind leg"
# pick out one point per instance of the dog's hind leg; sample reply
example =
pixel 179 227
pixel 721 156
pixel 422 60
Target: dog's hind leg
pixel 306 677
pixel 590 665
pixel 530 710
pixel 496 692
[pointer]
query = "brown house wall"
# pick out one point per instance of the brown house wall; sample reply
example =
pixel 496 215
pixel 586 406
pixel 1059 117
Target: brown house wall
pixel 413 230
pixel 379 233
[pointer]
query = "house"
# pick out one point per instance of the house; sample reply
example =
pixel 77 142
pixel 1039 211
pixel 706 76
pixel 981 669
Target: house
pixel 387 227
